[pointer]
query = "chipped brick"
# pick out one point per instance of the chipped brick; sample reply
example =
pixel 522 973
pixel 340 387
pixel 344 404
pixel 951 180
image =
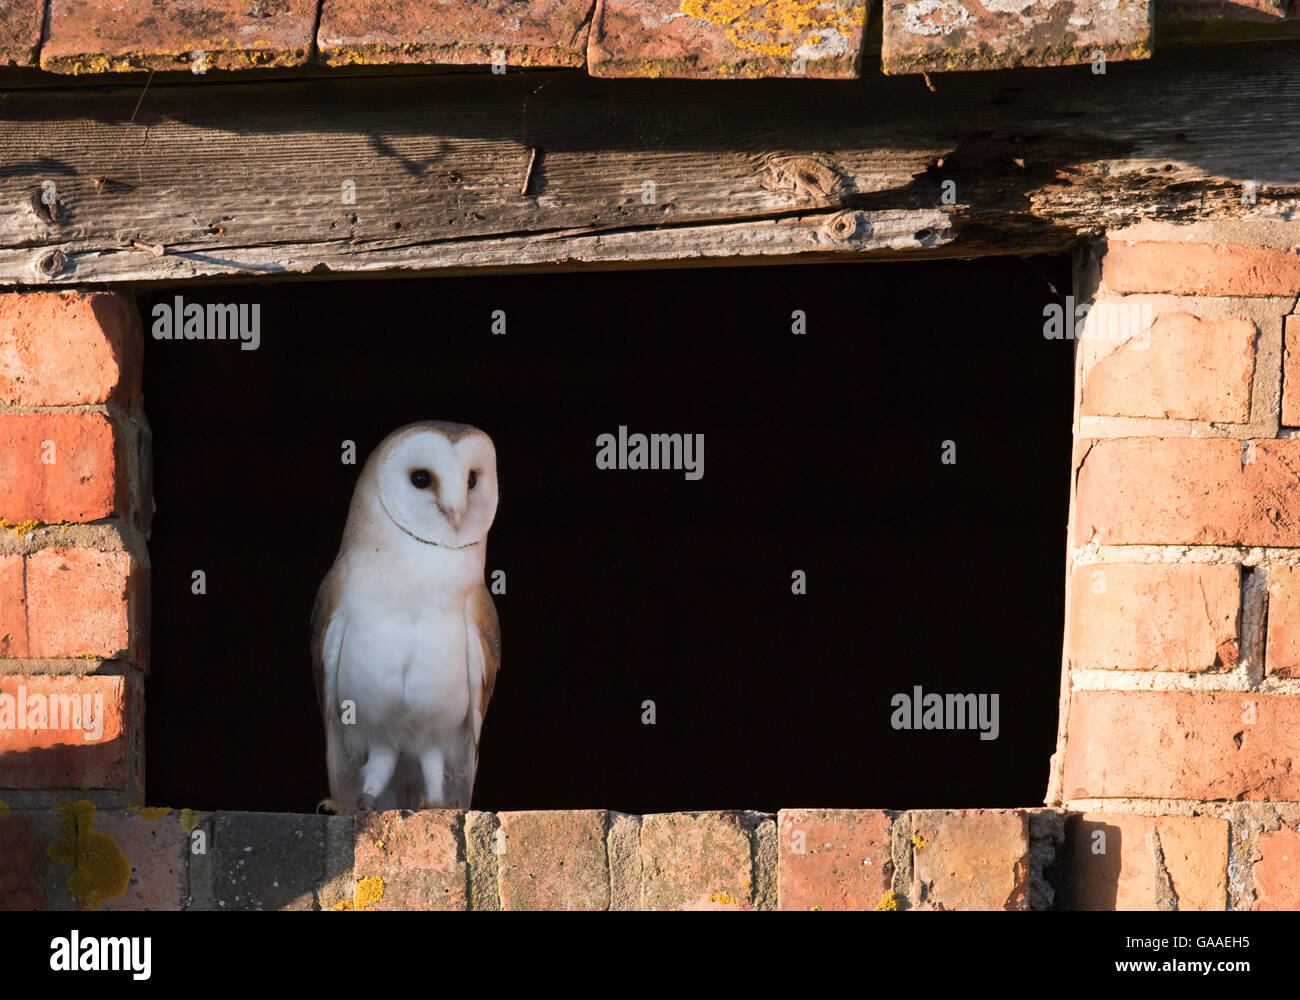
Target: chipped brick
pixel 419 858
pixel 975 859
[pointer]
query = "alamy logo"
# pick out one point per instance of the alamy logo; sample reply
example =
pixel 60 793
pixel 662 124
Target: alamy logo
pixel 179 320
pixel 102 954
pixel 1122 321
pixel 946 711
pixel 684 452
pixel 55 712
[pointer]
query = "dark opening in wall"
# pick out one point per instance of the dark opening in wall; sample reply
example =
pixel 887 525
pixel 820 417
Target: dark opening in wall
pixel 822 453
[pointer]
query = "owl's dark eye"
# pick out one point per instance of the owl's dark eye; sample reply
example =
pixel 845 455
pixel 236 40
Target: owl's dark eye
pixel 473 479
pixel 421 479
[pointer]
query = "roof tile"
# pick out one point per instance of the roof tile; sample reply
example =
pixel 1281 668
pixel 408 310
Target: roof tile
pixel 940 35
pixel 105 36
pixel 466 32
pixel 722 39
pixel 20 31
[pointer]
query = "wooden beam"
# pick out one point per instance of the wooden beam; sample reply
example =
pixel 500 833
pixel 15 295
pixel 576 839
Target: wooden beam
pixel 238 180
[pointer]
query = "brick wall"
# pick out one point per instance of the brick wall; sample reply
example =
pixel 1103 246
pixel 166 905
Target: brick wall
pixel 1180 707
pixel 74 571
pixel 1172 787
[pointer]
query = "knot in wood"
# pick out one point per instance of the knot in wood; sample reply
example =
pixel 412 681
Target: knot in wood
pixel 52 263
pixel 842 226
pixel 809 178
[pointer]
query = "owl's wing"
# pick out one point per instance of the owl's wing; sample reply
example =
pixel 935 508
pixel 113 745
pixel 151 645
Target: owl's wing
pixel 484 655
pixel 328 625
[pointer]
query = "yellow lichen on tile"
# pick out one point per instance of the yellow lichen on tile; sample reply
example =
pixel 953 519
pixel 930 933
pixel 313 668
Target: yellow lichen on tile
pixel 20 528
pixel 368 891
pixel 888 902
pixel 150 812
pixel 773 27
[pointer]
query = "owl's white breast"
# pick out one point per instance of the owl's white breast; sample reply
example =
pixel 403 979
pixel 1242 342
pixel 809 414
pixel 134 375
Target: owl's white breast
pixel 404 655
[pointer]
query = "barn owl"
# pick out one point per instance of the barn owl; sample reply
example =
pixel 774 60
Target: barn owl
pixel 404 632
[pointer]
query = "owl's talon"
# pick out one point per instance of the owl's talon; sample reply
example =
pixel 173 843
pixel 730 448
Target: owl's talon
pixel 365 804
pixel 329 806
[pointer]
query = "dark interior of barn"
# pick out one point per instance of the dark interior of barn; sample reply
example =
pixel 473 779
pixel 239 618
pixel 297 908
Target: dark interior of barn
pixel 824 453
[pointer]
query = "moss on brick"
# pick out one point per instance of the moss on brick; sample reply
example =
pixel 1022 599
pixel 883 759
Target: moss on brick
pixel 100 870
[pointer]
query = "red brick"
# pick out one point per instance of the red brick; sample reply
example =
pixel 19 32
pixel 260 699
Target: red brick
pixel 832 859
pixel 155 846
pixel 718 38
pixel 1195 850
pixel 941 35
pixel 109 36
pixel 1291 372
pixel 13 607
pixel 1188 368
pixel 1182 745
pixel 1200 269
pixel 541 33
pixel 22 860
pixel 554 860
pixel 1154 616
pixel 972 860
pixel 697 861
pixel 20 31
pixel 1188 491
pixel 1277 871
pixel 1282 636
pixel 1117 871
pixel 85 482
pixel 419 856
pixel 83 602
pixel 65 757
pixel 65 348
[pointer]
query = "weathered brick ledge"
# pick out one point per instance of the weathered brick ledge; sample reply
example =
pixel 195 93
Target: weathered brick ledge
pixel 73 856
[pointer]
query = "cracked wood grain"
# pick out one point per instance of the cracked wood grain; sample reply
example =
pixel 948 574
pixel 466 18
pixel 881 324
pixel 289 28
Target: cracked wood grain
pixel 241 181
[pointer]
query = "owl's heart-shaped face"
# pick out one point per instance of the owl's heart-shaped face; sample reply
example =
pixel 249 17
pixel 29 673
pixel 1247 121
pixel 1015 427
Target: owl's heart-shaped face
pixel 438 483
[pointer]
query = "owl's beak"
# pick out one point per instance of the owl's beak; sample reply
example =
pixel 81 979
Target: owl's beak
pixel 453 515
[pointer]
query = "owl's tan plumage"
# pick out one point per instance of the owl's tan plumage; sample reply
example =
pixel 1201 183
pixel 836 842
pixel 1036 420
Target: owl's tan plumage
pixel 405 640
